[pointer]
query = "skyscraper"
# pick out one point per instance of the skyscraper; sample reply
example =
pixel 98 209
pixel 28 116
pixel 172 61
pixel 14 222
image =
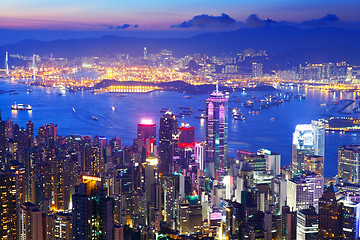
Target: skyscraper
pixel 216 132
pixel 308 139
pixel 349 163
pixel 304 191
pixel 8 218
pixel 307 224
pixel 167 133
pixel 92 211
pixel 186 136
pixel 330 226
pixel 146 136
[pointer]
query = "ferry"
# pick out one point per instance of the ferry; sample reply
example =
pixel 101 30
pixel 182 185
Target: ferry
pixel 25 107
pixel 164 110
pixel 73 109
pixel 202 116
pixel 237 115
pixel 187 108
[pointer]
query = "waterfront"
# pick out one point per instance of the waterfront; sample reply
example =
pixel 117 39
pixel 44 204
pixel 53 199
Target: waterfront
pixel 271 129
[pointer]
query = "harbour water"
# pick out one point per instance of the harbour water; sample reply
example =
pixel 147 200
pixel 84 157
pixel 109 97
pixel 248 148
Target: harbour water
pixel 117 115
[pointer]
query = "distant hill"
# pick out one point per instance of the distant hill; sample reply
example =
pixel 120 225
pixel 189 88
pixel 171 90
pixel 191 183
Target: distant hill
pixel 287 44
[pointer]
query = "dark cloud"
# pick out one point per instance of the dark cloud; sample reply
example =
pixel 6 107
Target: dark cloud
pixel 207 21
pixel 328 20
pixel 124 26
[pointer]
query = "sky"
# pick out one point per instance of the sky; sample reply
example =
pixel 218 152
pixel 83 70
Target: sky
pixel 160 15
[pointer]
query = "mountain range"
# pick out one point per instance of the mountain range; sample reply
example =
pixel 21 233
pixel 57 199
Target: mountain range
pixel 286 44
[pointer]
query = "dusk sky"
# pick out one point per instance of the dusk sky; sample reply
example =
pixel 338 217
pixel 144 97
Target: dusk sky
pixel 139 15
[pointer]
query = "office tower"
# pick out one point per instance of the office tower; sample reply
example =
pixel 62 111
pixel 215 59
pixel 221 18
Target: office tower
pixel 304 191
pixel 167 132
pixel 273 162
pixel 308 139
pixel 330 216
pixel 349 163
pixel 307 224
pixel 59 226
pixel 186 136
pixel 8 217
pixel 257 70
pixel 216 133
pixel 31 225
pixel 2 143
pixel 350 219
pixel 314 163
pixel 146 136
pixel 288 223
pixel 92 210
pixel 199 155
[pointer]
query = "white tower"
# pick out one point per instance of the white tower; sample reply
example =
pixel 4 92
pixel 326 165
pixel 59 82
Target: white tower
pixel 145 53
pixel 34 67
pixel 7 63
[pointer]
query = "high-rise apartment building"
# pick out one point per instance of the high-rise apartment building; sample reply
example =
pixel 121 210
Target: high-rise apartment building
pixel 92 211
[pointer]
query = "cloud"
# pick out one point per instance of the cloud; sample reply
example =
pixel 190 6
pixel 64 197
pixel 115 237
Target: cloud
pixel 205 20
pixel 124 26
pixel 328 20
pixel 208 22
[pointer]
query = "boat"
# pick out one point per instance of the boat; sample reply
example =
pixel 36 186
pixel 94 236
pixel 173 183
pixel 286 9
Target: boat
pixel 186 112
pixel 201 109
pixel 188 108
pixel 29 90
pixel 73 109
pixel 164 110
pixel 121 95
pixel 202 116
pixel 113 108
pixel 95 118
pixel 25 107
pixel 187 97
pixel 237 115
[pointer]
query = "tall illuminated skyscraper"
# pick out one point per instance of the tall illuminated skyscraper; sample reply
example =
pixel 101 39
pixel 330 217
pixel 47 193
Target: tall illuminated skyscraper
pixel 167 133
pixel 308 139
pixel 146 136
pixel 216 132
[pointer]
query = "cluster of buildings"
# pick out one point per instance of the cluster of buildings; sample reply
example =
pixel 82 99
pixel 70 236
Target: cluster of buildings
pixel 167 186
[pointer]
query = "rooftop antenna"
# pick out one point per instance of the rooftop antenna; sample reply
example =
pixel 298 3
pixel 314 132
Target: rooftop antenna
pixel 34 68
pixel 7 63
pixel 217 86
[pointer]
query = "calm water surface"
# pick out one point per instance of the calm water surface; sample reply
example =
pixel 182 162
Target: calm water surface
pixel 258 131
